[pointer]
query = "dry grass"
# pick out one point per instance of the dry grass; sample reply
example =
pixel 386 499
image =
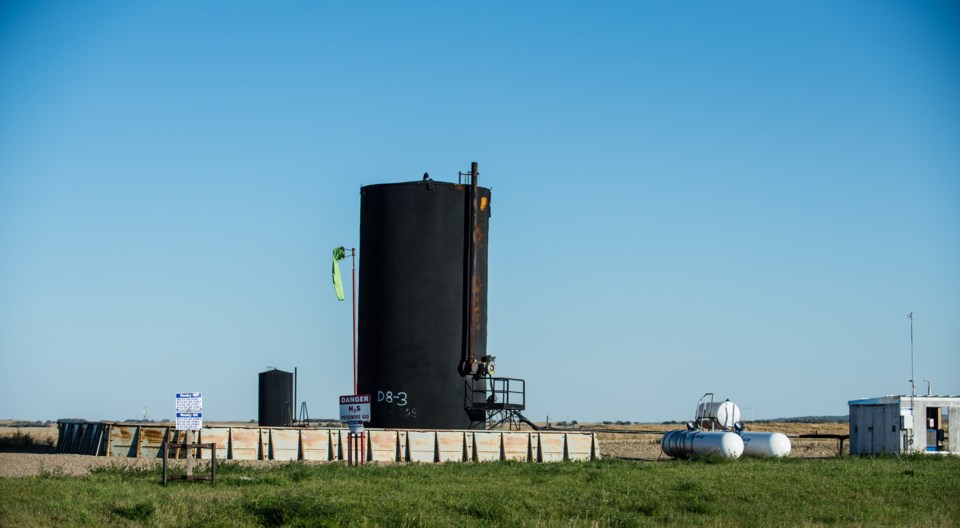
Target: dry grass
pixel 27 439
pixel 44 434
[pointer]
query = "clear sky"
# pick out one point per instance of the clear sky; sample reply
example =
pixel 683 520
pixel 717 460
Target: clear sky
pixel 744 198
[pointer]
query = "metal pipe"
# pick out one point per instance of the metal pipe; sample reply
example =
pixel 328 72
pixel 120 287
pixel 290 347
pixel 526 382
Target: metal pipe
pixel 353 257
pixel 913 385
pixel 468 355
pixel 475 207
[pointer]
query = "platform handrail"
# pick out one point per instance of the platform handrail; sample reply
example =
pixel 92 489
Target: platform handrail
pixel 497 393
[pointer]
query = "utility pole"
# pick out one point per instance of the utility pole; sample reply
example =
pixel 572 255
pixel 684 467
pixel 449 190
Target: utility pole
pixel 913 388
pixel 340 253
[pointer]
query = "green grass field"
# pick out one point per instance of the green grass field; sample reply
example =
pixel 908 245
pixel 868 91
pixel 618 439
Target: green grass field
pixel 910 491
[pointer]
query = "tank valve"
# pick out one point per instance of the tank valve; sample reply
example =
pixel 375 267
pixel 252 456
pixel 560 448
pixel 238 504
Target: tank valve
pixel 485 367
pixel 488 365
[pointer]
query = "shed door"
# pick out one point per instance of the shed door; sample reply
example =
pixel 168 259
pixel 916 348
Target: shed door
pixel 891 429
pixel 866 416
pixel 862 430
pixel 876 425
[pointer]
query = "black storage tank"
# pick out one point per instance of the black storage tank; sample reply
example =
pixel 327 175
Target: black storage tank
pixel 423 299
pixel 276 398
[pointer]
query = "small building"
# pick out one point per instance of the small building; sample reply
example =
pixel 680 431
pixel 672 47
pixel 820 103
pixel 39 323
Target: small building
pixel 904 424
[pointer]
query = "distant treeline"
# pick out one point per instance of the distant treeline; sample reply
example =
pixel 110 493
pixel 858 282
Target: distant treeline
pixel 795 419
pixel 810 419
pixel 23 423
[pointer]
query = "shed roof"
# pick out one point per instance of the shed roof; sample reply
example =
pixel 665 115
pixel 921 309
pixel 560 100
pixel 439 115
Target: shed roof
pixel 949 401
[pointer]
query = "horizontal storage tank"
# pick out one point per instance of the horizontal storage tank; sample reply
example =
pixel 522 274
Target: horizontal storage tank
pixel 759 444
pixel 682 444
pixel 423 299
pixel 725 413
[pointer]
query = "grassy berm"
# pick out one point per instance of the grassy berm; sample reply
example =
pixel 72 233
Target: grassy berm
pixel 909 491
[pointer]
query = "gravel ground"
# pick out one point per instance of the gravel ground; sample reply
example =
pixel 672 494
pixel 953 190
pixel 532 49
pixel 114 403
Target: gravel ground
pixel 637 447
pixel 33 464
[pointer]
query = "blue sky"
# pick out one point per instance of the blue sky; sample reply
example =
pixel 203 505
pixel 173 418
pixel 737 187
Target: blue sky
pixel 744 198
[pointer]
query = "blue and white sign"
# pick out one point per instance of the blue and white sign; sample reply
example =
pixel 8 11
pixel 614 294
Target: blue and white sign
pixel 189 421
pixel 189 405
pixel 189 401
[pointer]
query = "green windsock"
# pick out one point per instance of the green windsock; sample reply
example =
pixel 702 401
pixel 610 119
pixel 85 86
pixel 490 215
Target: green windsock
pixel 339 253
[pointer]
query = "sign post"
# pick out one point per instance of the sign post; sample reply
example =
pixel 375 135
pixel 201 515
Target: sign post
pixel 189 418
pixel 354 411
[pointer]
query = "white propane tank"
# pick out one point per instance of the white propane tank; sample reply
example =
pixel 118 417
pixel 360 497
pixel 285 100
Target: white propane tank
pixel 681 444
pixel 758 444
pixel 726 413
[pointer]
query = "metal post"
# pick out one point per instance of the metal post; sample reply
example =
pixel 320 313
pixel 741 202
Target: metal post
pixel 913 388
pixel 356 449
pixel 356 454
pixel 913 385
pixel 353 255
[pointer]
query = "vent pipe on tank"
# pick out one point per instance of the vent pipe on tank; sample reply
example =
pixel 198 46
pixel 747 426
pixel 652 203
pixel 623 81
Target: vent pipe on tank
pixel 469 365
